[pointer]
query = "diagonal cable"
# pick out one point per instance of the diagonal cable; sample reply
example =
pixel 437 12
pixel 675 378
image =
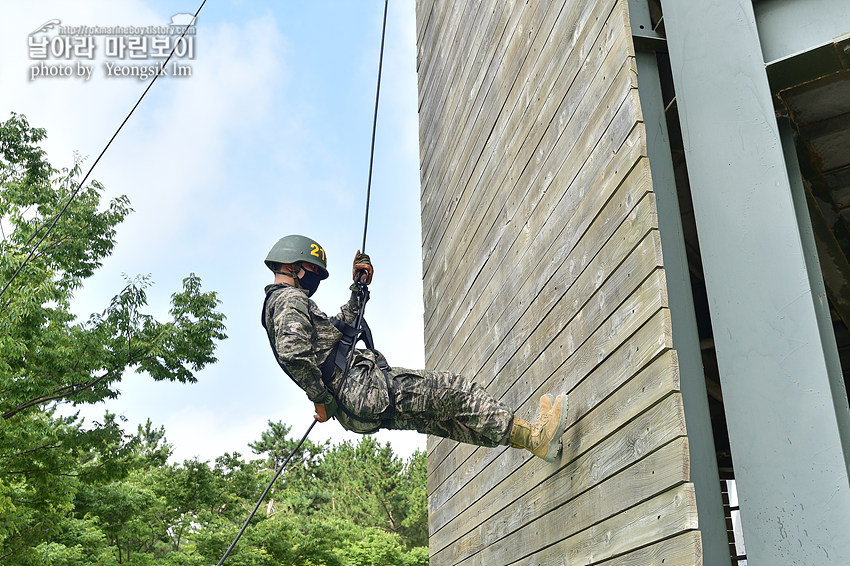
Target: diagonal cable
pixel 109 143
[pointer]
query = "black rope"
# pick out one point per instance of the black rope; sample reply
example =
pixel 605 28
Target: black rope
pixel 109 143
pixel 362 289
pixel 263 496
pixel 374 126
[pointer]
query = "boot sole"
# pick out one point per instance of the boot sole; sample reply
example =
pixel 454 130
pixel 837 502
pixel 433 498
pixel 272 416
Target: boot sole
pixel 555 444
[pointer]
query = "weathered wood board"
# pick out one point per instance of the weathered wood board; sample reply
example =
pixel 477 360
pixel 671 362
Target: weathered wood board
pixel 544 272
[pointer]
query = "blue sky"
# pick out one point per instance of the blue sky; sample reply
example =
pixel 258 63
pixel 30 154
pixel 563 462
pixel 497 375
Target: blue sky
pixel 268 136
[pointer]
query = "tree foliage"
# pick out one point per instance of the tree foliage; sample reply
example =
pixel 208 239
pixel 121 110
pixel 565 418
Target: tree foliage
pixel 331 507
pixel 168 514
pixel 82 494
pixel 54 234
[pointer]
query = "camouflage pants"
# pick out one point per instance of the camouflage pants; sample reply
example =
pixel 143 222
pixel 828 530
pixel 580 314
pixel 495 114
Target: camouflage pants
pixel 448 405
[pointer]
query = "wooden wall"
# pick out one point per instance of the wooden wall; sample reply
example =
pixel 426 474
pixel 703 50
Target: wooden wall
pixel 543 273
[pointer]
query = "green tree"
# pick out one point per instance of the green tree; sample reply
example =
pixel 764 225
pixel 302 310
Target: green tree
pixel 49 359
pixel 371 486
pixel 346 505
pixel 299 489
pixel 152 449
pixel 190 494
pixel 125 511
pixel 277 446
pixel 414 525
pixel 78 542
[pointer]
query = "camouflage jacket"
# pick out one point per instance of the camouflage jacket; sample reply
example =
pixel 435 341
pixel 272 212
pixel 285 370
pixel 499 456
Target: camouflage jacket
pixel 302 337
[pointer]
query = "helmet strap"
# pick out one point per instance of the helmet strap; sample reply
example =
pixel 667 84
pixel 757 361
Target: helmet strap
pixel 296 281
pixel 293 273
pixel 296 267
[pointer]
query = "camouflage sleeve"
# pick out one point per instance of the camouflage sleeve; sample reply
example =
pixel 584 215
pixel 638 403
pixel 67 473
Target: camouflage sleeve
pixel 294 346
pixel 349 311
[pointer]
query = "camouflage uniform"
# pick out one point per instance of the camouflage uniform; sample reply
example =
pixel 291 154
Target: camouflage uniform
pixel 431 402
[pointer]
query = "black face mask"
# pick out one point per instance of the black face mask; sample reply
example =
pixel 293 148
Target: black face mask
pixel 309 282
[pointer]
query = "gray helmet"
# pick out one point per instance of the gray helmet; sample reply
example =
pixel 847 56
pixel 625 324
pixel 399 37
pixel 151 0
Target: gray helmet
pixel 294 248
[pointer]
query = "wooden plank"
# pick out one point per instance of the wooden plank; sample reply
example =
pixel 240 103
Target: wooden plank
pixel 663 516
pixel 568 267
pixel 430 110
pixel 486 264
pixel 640 392
pixel 526 17
pixel 578 347
pixel 681 550
pixel 517 367
pixel 575 13
pixel 521 529
pixel 561 232
pixel 487 28
pixel 609 276
pixel 562 293
pixel 512 460
pixel 652 340
pixel 558 291
pixel 637 351
pixel 457 191
pixel 438 156
pixel 437 203
pixel 627 319
pixel 555 340
pixel 588 316
pixel 438 36
pixel 426 55
pixel 577 356
pixel 460 51
pixel 424 11
pixel 499 20
pixel 460 168
pixel 497 52
pixel 490 196
pixel 481 33
pixel 588 422
pixel 491 175
pixel 511 145
pixel 492 246
pixel 506 362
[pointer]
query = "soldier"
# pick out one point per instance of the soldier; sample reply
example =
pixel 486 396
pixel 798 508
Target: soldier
pixel 371 395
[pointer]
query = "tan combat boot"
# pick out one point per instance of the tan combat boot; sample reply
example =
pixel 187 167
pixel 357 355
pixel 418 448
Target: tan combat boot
pixel 542 437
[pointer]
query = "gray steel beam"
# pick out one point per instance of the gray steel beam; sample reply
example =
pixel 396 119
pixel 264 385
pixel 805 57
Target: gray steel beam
pixel 810 253
pixel 790 27
pixel 704 474
pixel 802 41
pixel 783 419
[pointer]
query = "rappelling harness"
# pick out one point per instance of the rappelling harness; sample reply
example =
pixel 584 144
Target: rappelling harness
pixel 341 356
